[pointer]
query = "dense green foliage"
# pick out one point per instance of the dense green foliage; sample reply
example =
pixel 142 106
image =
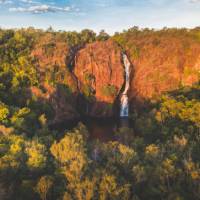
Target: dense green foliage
pixel 157 159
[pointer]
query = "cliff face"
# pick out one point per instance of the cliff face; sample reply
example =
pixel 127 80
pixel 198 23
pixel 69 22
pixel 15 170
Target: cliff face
pixel 163 69
pixel 59 85
pixel 100 73
pixel 160 62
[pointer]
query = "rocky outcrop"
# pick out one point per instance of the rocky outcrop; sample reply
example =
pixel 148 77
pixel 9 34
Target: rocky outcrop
pixel 59 85
pixel 163 64
pixel 159 63
pixel 100 73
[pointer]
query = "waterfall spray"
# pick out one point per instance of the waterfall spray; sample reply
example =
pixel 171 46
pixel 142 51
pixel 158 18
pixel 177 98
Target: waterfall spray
pixel 124 109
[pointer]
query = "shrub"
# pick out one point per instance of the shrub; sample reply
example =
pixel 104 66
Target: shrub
pixel 109 90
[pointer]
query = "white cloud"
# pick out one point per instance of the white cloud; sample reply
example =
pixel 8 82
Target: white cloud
pixel 6 2
pixel 29 1
pixel 40 9
pixel 194 1
pixel 26 1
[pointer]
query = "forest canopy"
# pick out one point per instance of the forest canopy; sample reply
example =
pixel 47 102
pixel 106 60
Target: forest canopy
pixel 157 157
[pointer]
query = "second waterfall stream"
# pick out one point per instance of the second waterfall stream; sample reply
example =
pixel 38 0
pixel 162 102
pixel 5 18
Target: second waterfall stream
pixel 124 101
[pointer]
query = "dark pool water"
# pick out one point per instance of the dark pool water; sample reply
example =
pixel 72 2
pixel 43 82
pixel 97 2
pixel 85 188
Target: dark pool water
pixel 102 129
pixel 105 129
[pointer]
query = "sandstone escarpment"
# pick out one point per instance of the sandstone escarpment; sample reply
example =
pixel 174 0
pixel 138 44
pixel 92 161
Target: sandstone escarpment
pixel 100 73
pixel 161 63
pixel 51 54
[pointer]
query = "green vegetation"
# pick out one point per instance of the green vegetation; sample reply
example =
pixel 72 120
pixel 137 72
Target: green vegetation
pixel 157 159
pixel 109 90
pixel 89 77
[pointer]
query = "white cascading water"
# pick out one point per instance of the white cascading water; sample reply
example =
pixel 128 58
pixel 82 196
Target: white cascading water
pixel 124 110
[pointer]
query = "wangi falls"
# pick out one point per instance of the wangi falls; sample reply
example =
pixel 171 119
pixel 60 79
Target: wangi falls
pixel 86 116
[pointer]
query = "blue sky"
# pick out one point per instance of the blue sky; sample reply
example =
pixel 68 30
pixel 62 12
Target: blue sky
pixel 110 15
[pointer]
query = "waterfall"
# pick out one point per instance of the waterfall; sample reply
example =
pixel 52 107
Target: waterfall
pixel 124 109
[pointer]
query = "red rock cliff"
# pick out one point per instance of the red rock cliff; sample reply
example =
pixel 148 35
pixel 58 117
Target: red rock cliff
pixel 100 72
pixel 161 62
pixel 51 53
